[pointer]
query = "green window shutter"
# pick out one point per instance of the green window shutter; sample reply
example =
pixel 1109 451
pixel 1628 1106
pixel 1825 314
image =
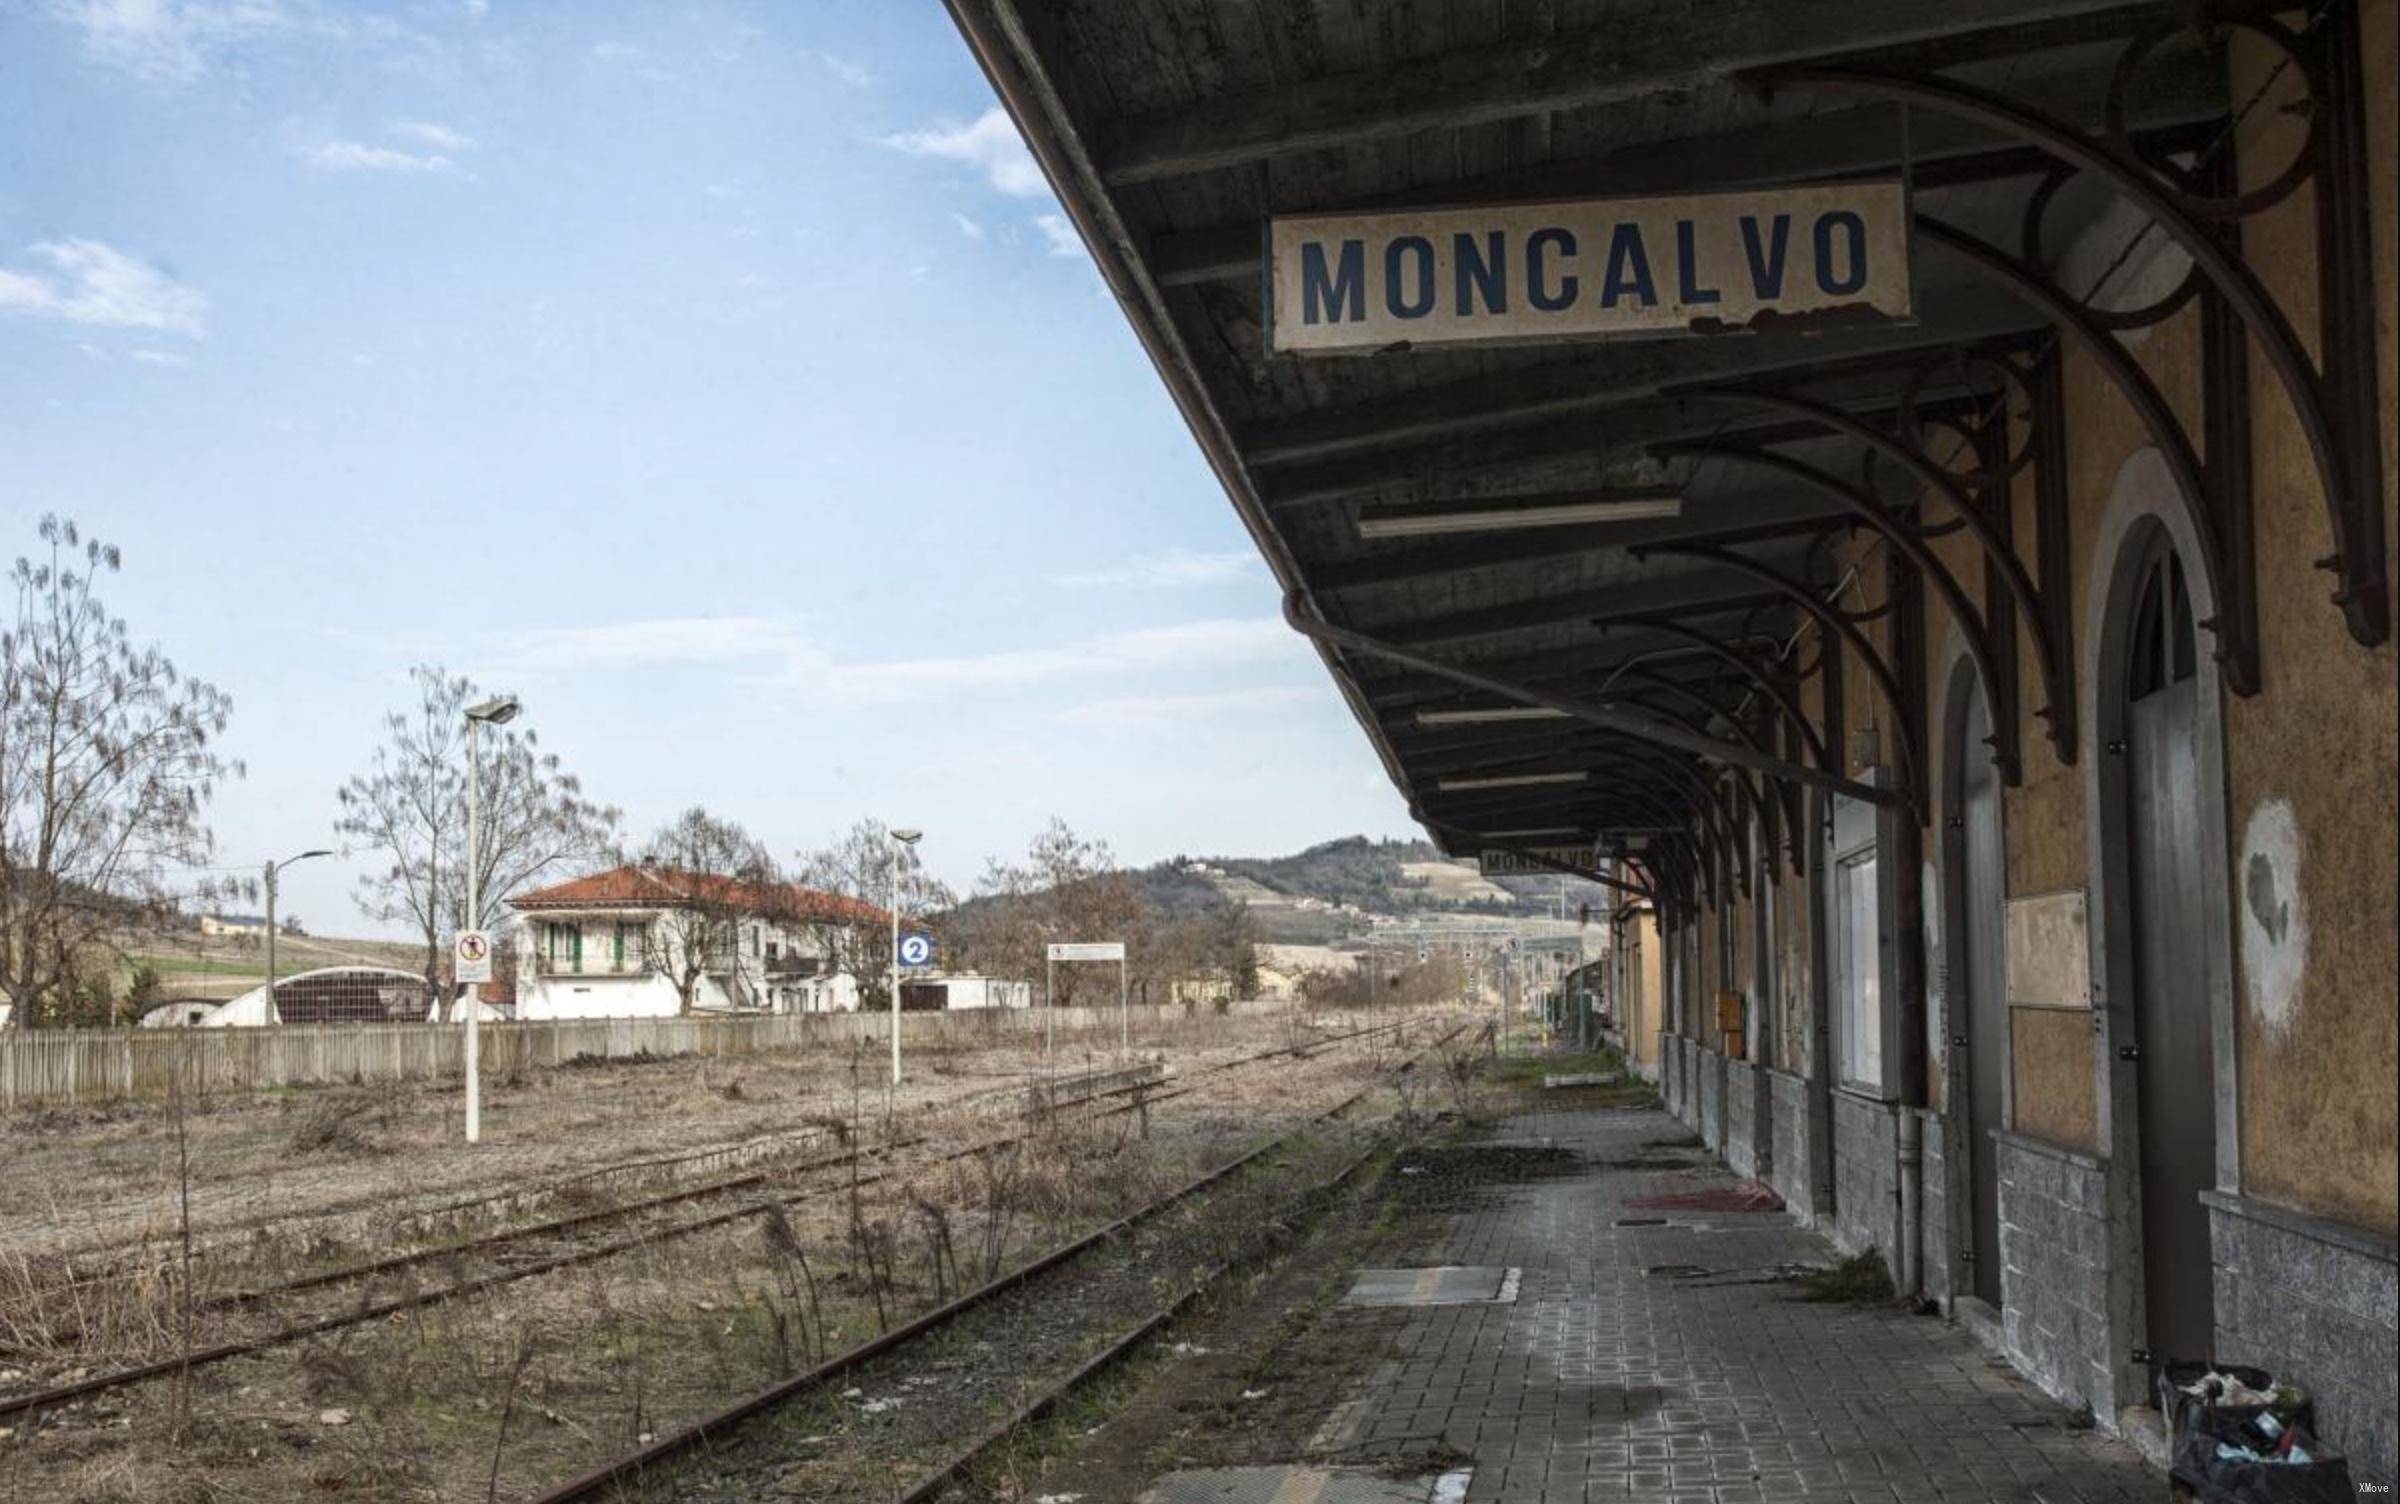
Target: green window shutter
pixel 575 938
pixel 619 959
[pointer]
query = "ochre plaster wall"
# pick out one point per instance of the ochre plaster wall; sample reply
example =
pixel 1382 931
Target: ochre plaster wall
pixel 2319 1124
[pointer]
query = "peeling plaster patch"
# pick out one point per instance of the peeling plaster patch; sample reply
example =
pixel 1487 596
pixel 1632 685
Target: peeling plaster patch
pixel 2274 920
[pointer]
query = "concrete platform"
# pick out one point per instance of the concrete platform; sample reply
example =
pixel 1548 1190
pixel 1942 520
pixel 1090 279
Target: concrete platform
pixel 1606 1384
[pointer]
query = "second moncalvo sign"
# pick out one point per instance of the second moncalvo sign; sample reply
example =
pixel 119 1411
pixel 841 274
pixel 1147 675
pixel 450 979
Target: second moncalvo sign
pixel 1587 268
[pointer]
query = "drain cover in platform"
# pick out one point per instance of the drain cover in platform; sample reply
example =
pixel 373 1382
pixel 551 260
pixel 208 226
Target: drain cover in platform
pixel 1305 1485
pixel 1447 1286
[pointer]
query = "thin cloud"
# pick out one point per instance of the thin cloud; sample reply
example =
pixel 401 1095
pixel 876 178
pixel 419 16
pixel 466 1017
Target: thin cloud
pixel 1132 712
pixel 659 642
pixel 358 156
pixel 1160 571
pixel 1060 232
pixel 161 358
pixel 90 282
pixel 967 227
pixel 991 145
pixel 434 134
pixel 170 40
pixel 1190 645
pixel 849 71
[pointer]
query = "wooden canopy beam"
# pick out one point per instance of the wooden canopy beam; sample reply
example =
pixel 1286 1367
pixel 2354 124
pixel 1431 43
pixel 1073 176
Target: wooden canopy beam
pixel 1667 50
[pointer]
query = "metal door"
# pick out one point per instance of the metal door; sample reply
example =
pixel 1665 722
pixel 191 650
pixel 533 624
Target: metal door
pixel 2176 1072
pixel 1982 975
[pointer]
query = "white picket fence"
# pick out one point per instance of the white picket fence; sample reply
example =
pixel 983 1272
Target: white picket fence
pixel 86 1065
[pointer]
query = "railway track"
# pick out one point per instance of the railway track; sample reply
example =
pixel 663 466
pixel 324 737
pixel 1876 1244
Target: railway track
pixel 628 1476
pixel 92 1267
pixel 572 1241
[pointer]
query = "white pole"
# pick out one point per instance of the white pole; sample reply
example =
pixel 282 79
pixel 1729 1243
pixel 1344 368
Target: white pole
pixel 895 960
pixel 474 1030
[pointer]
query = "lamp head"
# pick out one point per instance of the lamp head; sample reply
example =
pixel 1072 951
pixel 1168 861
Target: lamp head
pixel 908 837
pixel 496 711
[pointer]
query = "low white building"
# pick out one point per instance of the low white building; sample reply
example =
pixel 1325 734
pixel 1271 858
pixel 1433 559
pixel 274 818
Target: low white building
pixel 622 943
pixel 946 992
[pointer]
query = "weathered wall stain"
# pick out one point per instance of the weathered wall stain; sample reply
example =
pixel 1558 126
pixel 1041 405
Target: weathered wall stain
pixel 2274 919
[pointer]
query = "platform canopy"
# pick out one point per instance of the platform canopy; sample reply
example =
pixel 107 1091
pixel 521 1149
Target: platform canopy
pixel 1560 576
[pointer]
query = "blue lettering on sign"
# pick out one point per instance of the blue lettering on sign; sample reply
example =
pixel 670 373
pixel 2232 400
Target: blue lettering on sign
pixel 1766 266
pixel 1404 305
pixel 1482 271
pixel 1538 288
pixel 1335 297
pixel 1687 267
pixel 1855 231
pixel 1628 269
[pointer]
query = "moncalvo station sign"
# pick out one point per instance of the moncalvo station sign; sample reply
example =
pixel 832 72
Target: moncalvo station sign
pixel 1691 264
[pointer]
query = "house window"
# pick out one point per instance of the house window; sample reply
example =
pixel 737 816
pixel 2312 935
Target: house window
pixel 566 947
pixel 1859 991
pixel 627 947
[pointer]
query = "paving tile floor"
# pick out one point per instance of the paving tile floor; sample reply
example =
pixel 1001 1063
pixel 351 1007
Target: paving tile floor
pixel 1606 1383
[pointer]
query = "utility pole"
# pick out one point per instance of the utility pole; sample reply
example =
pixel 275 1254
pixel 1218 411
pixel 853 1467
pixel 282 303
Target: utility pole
pixel 272 869
pixel 498 711
pixel 902 840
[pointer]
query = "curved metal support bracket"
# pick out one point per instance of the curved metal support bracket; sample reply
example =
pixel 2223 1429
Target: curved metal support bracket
pixel 2345 463
pixel 1963 610
pixel 1765 682
pixel 1912 751
pixel 1608 717
pixel 1787 810
pixel 2058 714
pixel 2236 632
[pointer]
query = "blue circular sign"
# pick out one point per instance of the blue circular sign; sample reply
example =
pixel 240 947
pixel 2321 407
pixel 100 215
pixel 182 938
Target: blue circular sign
pixel 916 950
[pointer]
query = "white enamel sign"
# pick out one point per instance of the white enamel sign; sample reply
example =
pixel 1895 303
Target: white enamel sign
pixel 1512 273
pixel 1089 950
pixel 1493 862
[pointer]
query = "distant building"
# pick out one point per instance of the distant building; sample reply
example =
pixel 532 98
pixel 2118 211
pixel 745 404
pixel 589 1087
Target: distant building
pixel 613 945
pixel 220 926
pixel 950 993
pixel 329 995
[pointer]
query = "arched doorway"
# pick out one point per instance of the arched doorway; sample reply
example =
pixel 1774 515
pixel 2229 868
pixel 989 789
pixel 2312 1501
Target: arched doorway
pixel 1977 890
pixel 2160 684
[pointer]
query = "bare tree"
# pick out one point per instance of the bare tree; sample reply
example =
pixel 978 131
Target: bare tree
pixel 411 806
pixel 106 761
pixel 719 875
pixel 854 931
pixel 1066 888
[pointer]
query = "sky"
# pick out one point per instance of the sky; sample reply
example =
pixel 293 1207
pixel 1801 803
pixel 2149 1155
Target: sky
pixel 722 379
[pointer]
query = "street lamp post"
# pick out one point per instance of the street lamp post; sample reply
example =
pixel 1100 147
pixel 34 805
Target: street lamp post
pixel 272 869
pixel 497 711
pixel 902 840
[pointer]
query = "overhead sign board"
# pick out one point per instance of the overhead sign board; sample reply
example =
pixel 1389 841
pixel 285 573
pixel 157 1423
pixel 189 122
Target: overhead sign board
pixel 1588 268
pixel 1090 950
pixel 471 957
pixel 916 950
pixel 1493 862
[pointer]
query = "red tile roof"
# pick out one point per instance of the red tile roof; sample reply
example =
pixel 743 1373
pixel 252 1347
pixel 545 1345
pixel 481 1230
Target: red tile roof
pixel 669 887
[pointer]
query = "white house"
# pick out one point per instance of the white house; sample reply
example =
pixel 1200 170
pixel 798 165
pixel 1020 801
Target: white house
pixel 615 945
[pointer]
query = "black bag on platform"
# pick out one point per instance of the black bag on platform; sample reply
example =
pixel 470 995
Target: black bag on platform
pixel 2323 1479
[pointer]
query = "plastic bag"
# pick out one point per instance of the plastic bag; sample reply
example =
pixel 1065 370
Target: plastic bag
pixel 2204 1433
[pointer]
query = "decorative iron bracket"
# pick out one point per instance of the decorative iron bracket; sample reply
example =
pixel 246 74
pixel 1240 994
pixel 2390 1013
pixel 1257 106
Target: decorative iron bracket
pixel 2335 406
pixel 2058 713
pixel 1909 734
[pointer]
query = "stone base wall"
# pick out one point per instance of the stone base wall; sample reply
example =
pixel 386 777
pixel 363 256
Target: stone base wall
pixel 2054 1270
pixel 1709 1072
pixel 1866 1177
pixel 1940 1258
pixel 1789 1151
pixel 1670 1075
pixel 1746 1147
pixel 2317 1305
